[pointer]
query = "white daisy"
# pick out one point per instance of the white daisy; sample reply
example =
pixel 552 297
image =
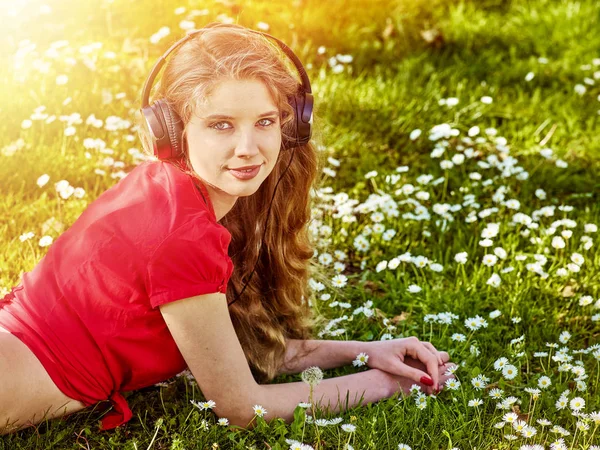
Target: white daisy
pixel 544 382
pixel 476 402
pixel 361 360
pixel 577 404
pixel 461 258
pixel 489 260
pixel 339 280
pixel 348 428
pixel 509 372
pixel 259 410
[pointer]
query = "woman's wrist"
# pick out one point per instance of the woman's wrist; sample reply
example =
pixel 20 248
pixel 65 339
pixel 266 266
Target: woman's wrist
pixel 384 382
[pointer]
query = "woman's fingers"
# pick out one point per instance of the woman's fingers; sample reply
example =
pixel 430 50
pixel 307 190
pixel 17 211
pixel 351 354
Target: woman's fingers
pixel 433 350
pixel 416 376
pixel 445 357
pixel 422 363
pixel 416 364
pixel 416 349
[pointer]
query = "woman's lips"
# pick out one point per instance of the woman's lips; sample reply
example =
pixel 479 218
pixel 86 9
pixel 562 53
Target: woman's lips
pixel 245 175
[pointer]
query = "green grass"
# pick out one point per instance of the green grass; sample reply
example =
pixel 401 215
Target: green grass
pixel 364 118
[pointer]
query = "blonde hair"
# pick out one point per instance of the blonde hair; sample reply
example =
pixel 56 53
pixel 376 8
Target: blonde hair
pixel 274 306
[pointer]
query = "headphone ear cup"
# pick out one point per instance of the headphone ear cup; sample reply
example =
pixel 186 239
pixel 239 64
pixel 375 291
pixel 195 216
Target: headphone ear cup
pixel 166 128
pixel 302 105
pixel 306 117
pixel 173 146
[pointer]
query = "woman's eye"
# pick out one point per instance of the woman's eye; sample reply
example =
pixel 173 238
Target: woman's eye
pixel 269 122
pixel 220 126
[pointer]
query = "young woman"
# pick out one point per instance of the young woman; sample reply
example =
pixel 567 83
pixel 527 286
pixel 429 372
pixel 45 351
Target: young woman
pixel 137 289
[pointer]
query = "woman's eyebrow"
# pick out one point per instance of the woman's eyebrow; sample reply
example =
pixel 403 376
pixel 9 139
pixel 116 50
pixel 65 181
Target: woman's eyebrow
pixel 223 116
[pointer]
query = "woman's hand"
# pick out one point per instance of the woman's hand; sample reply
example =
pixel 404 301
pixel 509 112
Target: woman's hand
pixel 400 383
pixel 390 356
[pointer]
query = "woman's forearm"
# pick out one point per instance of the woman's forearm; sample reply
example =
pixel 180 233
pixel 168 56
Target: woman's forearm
pixel 325 354
pixel 335 394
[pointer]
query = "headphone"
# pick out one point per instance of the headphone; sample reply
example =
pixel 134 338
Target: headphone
pixel 166 127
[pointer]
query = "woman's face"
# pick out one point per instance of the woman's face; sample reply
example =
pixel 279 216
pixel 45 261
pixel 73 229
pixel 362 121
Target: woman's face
pixel 238 126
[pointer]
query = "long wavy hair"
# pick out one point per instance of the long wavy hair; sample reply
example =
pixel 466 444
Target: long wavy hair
pixel 274 306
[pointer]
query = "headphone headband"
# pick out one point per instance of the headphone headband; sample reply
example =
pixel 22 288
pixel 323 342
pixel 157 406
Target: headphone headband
pixel 161 61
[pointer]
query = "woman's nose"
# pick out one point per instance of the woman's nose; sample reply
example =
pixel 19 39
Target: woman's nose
pixel 246 144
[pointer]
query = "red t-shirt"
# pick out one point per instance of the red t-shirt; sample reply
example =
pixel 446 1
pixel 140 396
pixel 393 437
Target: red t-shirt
pixel 89 308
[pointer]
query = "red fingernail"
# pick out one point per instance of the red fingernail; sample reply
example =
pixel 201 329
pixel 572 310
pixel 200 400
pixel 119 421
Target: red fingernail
pixel 426 381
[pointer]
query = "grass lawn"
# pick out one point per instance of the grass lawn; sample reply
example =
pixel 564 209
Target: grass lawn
pixel 459 203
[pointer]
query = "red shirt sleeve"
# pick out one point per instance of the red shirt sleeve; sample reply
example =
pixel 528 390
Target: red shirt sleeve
pixel 191 261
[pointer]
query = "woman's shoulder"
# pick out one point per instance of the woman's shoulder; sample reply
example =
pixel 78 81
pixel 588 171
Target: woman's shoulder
pixel 161 180
pixel 160 172
pixel 154 196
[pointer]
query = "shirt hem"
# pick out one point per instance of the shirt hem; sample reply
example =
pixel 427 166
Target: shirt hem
pixel 200 289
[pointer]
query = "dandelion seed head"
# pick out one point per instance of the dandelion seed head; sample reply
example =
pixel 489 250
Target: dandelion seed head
pixel 312 375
